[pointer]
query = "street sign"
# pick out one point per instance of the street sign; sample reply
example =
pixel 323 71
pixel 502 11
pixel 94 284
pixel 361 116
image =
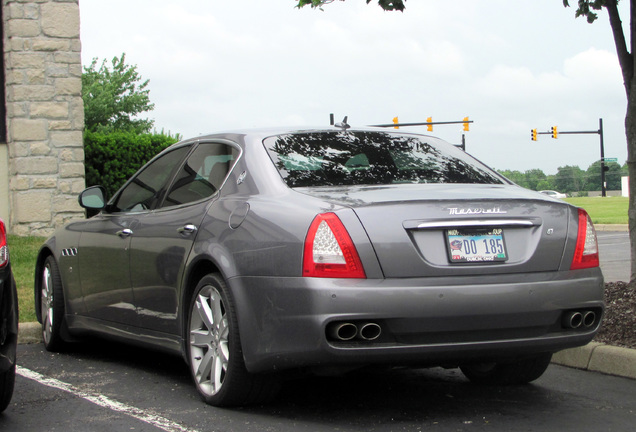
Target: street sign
pixel 611 159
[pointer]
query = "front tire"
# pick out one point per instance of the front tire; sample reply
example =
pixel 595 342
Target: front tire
pixel 214 349
pixel 7 381
pixel 52 306
pixel 508 373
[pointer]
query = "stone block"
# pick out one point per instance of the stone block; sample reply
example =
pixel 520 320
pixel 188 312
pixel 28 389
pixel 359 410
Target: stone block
pixel 45 183
pixel 32 206
pixel 68 58
pixel 30 93
pixel 18 183
pixel 51 45
pixel 36 165
pixel 39 148
pixel 26 60
pixel 65 204
pixel 71 170
pixel 72 155
pixel 34 77
pixel 20 149
pixel 60 19
pixel 67 139
pixel 60 125
pixel 68 86
pixel 23 28
pixel 28 129
pixel 50 110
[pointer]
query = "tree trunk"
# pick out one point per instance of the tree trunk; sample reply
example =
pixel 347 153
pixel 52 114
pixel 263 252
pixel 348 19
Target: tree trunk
pixel 630 132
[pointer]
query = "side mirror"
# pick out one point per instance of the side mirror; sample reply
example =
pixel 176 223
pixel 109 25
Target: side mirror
pixel 93 198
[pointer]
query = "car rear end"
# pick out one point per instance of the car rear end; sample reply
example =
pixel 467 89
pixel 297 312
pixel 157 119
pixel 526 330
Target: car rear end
pixel 439 262
pixel 8 322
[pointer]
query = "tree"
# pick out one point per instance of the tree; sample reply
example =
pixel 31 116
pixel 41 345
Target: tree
pixel 113 96
pixel 384 4
pixel 627 61
pixel 569 179
pixel 612 176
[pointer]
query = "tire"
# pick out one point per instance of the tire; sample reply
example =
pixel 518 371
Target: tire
pixel 7 381
pixel 214 351
pixel 52 306
pixel 508 373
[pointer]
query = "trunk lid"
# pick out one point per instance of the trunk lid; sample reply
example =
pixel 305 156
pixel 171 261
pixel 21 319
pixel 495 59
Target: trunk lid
pixel 409 227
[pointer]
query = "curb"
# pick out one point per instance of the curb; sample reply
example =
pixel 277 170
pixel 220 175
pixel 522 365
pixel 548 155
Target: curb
pixel 611 227
pixel 596 357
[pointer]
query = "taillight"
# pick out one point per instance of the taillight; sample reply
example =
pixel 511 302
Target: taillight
pixel 586 251
pixel 4 249
pixel 329 250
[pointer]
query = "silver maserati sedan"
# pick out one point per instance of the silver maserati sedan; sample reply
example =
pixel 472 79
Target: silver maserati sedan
pixel 252 253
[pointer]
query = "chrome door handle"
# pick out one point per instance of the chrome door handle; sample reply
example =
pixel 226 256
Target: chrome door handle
pixel 126 232
pixel 187 229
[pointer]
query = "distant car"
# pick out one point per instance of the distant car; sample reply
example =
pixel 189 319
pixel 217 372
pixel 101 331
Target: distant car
pixel 8 322
pixel 326 249
pixel 553 194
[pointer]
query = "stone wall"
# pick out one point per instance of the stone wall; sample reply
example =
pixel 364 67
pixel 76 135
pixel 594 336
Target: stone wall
pixel 45 113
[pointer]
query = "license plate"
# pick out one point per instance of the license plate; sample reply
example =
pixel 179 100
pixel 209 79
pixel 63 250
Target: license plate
pixel 476 246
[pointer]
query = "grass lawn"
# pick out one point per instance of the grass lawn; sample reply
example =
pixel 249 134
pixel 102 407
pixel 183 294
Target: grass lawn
pixel 23 252
pixel 607 210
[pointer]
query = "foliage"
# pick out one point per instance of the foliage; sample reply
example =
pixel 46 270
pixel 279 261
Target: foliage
pixel 586 8
pixel 23 253
pixel 112 158
pixel 388 5
pixel 612 176
pixel 113 96
pixel 570 179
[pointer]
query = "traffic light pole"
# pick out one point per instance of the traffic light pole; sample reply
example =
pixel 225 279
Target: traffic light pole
pixel 599 132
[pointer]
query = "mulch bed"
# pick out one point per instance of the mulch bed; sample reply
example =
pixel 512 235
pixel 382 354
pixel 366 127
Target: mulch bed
pixel 619 323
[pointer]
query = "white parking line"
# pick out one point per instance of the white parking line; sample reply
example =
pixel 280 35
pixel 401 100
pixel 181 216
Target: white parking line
pixel 105 402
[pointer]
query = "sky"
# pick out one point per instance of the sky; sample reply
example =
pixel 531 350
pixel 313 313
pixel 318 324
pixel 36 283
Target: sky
pixel 510 66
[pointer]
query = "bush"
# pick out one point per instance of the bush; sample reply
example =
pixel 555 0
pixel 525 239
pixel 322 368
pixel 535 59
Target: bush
pixel 112 158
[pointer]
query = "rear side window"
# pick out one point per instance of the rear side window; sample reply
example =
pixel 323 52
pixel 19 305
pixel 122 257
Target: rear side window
pixel 202 174
pixel 372 158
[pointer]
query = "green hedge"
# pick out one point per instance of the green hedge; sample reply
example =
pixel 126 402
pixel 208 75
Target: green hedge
pixel 112 158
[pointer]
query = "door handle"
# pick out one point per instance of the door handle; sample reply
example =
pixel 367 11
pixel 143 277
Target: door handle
pixel 187 229
pixel 126 232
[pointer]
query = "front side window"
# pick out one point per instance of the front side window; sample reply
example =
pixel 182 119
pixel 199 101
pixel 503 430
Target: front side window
pixel 147 187
pixel 372 158
pixel 202 174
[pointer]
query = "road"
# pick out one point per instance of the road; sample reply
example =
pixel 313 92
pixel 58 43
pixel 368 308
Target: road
pixel 111 387
pixel 614 255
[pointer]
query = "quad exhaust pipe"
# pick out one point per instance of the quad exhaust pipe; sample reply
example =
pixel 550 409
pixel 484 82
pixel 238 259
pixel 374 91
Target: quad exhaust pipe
pixel 346 331
pixel 576 319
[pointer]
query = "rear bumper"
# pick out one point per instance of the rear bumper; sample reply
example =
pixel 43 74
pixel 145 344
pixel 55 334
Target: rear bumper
pixel 8 319
pixel 284 322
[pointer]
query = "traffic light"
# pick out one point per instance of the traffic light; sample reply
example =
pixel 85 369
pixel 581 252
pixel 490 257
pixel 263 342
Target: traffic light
pixel 466 124
pixel 429 127
pixel 533 134
pixel 554 132
pixel 395 120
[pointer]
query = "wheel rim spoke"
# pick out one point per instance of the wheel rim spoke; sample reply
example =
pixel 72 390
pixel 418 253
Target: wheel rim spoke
pixel 209 334
pixel 46 306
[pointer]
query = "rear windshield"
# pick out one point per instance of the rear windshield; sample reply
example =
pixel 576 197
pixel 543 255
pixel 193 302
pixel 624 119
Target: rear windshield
pixel 372 158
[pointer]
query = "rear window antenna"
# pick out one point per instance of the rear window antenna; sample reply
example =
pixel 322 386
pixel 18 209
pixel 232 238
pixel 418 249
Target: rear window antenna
pixel 343 124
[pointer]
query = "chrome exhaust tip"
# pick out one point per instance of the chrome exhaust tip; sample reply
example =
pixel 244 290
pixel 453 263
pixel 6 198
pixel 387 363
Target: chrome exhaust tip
pixel 589 318
pixel 572 319
pixel 343 331
pixel 370 331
